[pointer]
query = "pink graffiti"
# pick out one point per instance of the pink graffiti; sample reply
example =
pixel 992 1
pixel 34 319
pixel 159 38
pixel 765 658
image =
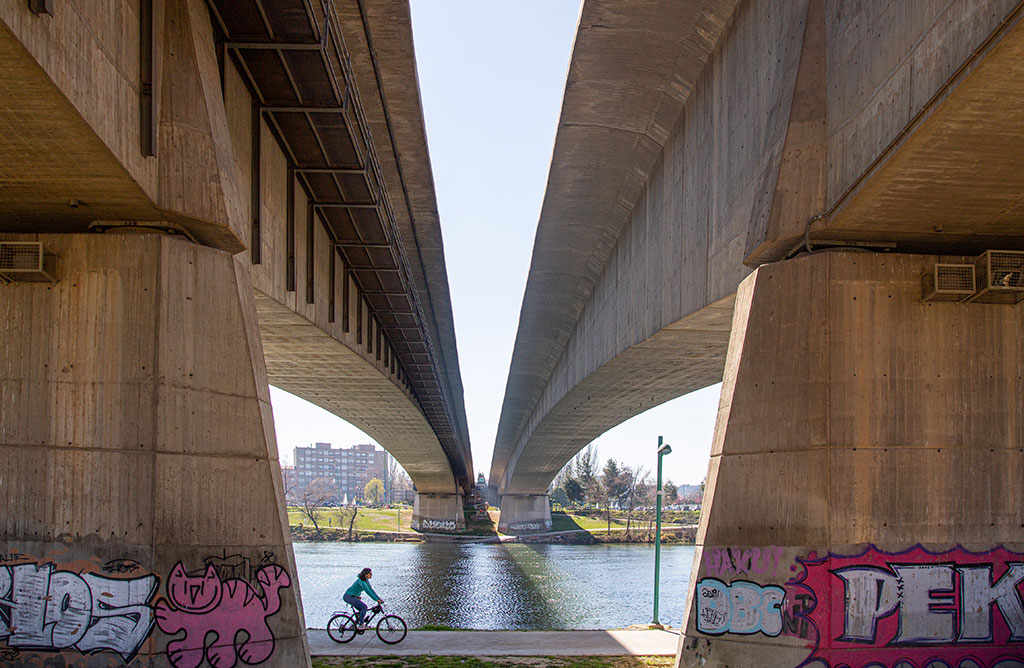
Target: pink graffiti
pixel 913 609
pixel 206 605
pixel 722 562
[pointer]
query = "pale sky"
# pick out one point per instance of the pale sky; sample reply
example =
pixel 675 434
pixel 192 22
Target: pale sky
pixel 491 80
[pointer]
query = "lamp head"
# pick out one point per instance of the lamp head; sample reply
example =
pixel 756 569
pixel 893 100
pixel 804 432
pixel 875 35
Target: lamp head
pixel 665 450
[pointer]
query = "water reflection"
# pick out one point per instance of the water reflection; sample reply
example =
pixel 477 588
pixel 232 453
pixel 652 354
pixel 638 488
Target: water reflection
pixel 499 586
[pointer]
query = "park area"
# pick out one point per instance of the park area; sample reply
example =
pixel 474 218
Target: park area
pixel 355 523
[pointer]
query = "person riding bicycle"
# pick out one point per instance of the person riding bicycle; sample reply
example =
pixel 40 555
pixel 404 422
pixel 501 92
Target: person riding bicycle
pixel 353 596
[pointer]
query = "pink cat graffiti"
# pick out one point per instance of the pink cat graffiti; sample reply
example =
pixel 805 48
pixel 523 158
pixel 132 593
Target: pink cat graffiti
pixel 205 604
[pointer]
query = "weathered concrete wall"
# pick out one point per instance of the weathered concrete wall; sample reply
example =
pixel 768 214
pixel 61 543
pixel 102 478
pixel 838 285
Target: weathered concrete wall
pixel 75 79
pixel 137 435
pixel 866 474
pixel 796 103
pixel 438 512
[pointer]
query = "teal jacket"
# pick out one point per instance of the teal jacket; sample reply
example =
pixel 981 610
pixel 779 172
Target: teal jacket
pixel 359 586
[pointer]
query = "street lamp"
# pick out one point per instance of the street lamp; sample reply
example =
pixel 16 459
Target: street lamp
pixel 662 451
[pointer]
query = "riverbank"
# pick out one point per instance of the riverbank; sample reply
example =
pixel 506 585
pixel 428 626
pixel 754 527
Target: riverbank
pixel 386 525
pixel 669 536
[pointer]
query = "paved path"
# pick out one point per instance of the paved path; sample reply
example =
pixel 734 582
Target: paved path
pixel 503 643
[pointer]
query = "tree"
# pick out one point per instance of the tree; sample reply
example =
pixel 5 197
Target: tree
pixel 670 492
pixel 313 498
pixel 634 490
pixel 374 492
pixel 586 473
pixel 574 492
pixel 391 476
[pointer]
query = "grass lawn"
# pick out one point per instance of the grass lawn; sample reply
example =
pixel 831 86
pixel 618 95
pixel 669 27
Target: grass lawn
pixel 368 519
pixel 564 522
pixel 495 662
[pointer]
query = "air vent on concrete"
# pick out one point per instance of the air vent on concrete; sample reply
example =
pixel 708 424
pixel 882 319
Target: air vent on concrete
pixel 27 261
pixel 948 283
pixel 1000 277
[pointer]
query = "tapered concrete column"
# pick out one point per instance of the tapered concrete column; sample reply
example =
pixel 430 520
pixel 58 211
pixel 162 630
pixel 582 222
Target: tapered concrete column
pixel 524 513
pixel 865 492
pixel 438 512
pixel 141 503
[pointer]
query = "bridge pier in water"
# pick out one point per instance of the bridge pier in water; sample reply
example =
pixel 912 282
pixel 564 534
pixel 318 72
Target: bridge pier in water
pixel 141 483
pixel 438 512
pixel 524 513
pixel 864 496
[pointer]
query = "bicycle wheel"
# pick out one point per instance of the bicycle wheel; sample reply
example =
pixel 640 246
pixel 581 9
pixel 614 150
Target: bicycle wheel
pixel 391 629
pixel 341 628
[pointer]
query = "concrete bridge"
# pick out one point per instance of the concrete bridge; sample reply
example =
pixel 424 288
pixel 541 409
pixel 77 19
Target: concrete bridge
pixel 196 199
pixel 797 199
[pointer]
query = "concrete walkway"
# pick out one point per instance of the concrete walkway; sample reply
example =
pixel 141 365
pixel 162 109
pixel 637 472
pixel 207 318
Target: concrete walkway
pixel 503 643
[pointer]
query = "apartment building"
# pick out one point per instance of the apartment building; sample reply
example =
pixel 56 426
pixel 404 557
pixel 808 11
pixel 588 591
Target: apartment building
pixel 347 469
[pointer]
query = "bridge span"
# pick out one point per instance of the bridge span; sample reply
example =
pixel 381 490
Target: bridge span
pixel 797 199
pixel 198 199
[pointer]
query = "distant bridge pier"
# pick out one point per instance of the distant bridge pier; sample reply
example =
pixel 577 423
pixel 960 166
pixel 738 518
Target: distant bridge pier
pixel 524 513
pixel 138 461
pixel 864 496
pixel 438 512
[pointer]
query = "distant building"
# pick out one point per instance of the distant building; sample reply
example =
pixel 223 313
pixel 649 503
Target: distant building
pixel 347 469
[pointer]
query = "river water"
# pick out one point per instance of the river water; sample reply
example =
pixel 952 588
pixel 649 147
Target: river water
pixel 499 586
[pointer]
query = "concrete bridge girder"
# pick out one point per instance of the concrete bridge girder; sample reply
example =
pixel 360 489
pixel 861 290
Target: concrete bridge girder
pixel 807 155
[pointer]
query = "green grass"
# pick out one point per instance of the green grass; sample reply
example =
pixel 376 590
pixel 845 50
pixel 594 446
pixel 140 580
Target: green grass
pixel 494 662
pixel 368 519
pixel 565 522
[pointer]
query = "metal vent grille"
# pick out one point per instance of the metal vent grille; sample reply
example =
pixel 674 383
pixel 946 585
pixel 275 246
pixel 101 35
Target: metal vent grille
pixel 948 283
pixel 26 261
pixel 1000 277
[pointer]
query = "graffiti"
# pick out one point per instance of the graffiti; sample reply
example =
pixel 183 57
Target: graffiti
pixel 912 608
pixel 526 526
pixel 720 562
pixel 738 607
pixel 212 611
pixel 54 608
pixel 240 567
pixel 121 566
pixel 443 525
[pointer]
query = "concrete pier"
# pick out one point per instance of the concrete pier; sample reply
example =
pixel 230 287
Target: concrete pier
pixel 438 512
pixel 138 426
pixel 525 513
pixel 866 473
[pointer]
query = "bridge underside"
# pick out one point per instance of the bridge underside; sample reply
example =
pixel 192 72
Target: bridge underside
pixel 309 363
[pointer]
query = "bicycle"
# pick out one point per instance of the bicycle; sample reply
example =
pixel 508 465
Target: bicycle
pixel 342 628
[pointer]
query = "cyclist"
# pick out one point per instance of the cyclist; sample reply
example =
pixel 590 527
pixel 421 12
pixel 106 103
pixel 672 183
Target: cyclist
pixel 353 596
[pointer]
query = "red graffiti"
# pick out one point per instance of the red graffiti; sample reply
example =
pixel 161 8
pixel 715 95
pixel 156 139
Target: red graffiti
pixel 913 609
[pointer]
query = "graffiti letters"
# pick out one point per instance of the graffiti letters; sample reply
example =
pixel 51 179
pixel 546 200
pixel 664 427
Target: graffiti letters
pixel 722 562
pixel 53 608
pixel 526 526
pixel 442 525
pixel 878 608
pixel 211 612
pixel 738 607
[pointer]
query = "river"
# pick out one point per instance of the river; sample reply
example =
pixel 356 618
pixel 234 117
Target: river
pixel 499 586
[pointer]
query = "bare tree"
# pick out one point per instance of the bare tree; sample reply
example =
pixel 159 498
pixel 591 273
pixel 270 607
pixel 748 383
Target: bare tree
pixel 635 489
pixel 391 478
pixel 313 498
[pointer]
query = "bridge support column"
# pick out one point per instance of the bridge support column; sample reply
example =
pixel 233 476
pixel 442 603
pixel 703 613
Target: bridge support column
pixel 524 513
pixel 866 475
pixel 138 463
pixel 438 512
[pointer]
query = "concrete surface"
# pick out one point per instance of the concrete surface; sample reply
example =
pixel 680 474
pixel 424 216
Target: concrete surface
pixel 503 643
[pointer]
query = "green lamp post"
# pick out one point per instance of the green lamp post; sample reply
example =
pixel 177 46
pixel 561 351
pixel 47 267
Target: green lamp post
pixel 662 451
